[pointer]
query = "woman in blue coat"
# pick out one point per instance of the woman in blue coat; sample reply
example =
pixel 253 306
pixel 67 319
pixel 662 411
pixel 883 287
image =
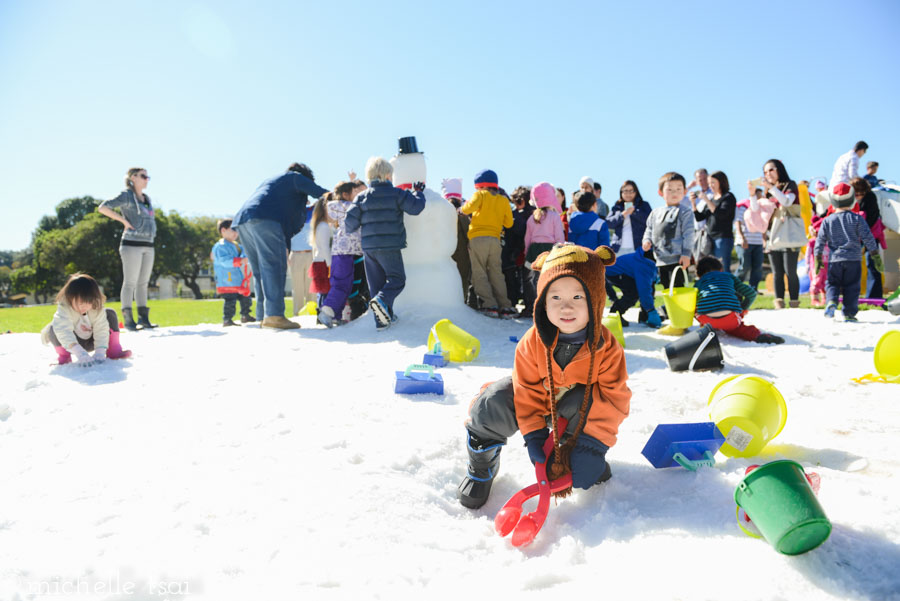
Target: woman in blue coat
pixel 628 216
pixel 627 221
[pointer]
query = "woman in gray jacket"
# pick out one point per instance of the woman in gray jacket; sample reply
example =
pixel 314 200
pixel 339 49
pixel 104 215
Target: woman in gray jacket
pixel 136 247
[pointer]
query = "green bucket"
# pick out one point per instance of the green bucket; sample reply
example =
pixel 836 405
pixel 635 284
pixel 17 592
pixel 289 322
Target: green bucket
pixel 783 507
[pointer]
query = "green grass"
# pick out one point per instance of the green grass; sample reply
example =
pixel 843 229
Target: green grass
pixel 189 312
pixel 171 312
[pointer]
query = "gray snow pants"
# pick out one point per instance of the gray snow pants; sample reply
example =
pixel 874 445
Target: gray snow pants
pixel 492 415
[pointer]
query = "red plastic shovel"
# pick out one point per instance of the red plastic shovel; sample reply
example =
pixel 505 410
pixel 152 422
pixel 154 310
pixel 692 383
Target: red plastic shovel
pixel 510 519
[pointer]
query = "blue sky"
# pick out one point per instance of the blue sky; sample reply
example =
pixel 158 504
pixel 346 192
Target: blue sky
pixel 213 97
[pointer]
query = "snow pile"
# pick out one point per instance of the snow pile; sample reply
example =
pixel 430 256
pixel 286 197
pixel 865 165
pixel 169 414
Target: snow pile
pixel 241 463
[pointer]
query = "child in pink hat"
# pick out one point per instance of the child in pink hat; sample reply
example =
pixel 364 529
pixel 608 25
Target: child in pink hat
pixel 543 230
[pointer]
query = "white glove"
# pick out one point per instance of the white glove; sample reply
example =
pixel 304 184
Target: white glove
pixel 99 355
pixel 81 356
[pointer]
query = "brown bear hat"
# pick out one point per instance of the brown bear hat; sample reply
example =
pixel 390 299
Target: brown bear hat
pixel 585 265
pixel 588 267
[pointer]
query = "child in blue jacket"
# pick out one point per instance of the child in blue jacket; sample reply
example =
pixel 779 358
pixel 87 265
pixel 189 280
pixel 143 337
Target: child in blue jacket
pixel 232 274
pixel 586 228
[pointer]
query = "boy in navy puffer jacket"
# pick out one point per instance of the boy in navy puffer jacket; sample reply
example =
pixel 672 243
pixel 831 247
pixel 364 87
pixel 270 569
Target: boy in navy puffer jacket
pixel 379 213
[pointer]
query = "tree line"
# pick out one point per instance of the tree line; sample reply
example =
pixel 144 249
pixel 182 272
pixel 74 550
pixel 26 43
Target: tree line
pixel 78 238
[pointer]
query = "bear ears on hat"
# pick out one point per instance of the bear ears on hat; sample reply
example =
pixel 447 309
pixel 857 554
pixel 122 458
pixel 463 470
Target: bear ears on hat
pixel 567 252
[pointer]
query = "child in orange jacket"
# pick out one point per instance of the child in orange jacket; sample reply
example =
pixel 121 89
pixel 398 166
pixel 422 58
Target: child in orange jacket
pixel 567 365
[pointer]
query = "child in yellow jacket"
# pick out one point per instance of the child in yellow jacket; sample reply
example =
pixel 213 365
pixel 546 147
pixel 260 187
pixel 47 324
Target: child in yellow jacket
pixel 568 365
pixel 491 212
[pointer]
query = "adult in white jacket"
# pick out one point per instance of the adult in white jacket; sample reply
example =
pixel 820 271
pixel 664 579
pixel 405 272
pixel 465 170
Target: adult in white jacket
pixel 782 191
pixel 847 165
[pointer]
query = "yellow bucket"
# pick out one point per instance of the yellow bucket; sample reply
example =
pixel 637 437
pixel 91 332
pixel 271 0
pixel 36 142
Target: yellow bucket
pixel 308 309
pixel 887 356
pixel 749 411
pixel 680 303
pixel 614 325
pixel 461 345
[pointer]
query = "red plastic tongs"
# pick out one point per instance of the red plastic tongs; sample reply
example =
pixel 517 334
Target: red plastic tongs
pixel 509 518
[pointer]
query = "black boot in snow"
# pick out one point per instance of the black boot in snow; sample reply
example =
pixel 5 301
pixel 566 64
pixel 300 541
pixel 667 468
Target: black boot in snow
pixel 128 320
pixel 484 463
pixel 144 318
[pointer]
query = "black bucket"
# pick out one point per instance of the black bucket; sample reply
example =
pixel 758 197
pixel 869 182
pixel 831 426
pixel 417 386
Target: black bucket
pixel 695 351
pixel 893 306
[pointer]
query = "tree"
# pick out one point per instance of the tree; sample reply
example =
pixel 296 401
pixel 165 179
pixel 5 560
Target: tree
pixel 5 281
pixel 46 274
pixel 73 211
pixel 42 282
pixel 93 246
pixel 68 213
pixel 183 245
pixel 90 245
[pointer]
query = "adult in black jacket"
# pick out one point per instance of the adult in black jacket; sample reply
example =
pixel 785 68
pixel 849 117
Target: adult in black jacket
pixel 718 211
pixel 868 204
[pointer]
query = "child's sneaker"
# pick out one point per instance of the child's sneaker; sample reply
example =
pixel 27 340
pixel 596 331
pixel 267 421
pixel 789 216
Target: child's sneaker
pixel 830 309
pixel 769 339
pixel 381 312
pixel 490 311
pixel 508 312
pixel 379 325
pixel 851 318
pixel 248 319
pixel 227 322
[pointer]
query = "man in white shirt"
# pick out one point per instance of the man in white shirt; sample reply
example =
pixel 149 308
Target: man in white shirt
pixel 847 165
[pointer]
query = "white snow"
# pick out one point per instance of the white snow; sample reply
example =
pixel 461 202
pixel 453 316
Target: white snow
pixel 432 280
pixel 248 464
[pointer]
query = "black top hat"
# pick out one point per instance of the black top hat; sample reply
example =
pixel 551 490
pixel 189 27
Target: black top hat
pixel 408 145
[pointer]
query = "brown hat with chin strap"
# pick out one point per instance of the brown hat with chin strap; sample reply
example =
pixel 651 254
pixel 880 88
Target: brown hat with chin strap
pixel 588 267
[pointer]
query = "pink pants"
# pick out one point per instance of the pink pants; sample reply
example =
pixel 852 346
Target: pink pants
pixel 816 279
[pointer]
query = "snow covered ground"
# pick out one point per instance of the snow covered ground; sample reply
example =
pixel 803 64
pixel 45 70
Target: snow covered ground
pixel 246 464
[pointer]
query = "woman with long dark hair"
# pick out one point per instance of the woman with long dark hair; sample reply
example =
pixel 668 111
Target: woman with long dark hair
pixel 868 204
pixel 634 274
pixel 627 219
pixel 718 214
pixel 782 190
pixel 136 248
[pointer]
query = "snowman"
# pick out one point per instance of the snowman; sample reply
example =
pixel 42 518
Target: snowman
pixel 432 279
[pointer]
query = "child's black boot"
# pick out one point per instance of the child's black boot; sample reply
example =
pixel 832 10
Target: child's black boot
pixel 484 463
